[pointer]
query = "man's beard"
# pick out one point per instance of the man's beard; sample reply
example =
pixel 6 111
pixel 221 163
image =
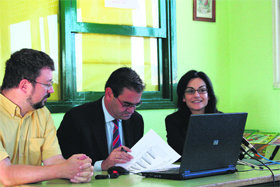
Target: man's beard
pixel 39 104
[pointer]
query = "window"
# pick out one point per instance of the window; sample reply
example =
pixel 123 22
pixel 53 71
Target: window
pixel 276 40
pixel 99 36
pixel 25 24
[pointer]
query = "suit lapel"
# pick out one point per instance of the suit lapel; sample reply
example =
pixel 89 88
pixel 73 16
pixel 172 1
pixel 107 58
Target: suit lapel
pixel 100 130
pixel 127 138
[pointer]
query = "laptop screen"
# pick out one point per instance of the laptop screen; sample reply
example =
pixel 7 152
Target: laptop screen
pixel 212 141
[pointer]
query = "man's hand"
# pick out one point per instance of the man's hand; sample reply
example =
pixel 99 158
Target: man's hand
pixel 86 173
pixel 118 155
pixel 79 168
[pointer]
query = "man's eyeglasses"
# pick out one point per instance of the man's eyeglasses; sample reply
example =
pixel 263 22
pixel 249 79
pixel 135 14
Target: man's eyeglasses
pixel 126 104
pixel 191 91
pixel 48 86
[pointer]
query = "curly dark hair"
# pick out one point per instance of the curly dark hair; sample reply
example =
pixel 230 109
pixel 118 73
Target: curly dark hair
pixel 25 64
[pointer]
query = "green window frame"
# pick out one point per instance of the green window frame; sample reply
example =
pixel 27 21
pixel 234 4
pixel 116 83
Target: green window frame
pixel 164 98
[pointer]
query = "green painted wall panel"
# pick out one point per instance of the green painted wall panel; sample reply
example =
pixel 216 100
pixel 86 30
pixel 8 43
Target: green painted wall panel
pixel 251 51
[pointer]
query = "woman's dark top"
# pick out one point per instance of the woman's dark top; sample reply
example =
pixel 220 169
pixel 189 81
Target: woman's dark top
pixel 176 127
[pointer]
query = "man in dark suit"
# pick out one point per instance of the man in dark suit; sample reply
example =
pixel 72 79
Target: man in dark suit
pixel 90 129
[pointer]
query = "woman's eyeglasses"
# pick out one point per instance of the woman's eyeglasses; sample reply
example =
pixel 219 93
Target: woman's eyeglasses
pixel 191 91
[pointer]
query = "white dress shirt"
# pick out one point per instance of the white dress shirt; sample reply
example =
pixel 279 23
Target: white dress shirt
pixel 109 134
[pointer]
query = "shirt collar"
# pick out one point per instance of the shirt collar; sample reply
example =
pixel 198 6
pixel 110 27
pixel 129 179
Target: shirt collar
pixel 107 115
pixel 10 107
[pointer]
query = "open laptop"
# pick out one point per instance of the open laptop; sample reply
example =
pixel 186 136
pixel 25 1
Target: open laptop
pixel 212 146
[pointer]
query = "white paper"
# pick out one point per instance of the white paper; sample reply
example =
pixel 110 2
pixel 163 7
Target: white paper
pixel 151 152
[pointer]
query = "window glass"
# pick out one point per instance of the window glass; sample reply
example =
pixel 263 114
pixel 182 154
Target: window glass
pixel 143 13
pixel 98 55
pixel 25 24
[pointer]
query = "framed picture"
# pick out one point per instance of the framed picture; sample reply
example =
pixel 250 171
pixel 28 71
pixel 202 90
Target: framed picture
pixel 204 10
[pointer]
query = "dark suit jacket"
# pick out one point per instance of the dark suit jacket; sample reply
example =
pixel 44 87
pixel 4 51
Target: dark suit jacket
pixel 83 130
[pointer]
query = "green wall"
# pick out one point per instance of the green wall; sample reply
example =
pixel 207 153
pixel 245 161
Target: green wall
pixel 251 64
pixel 236 53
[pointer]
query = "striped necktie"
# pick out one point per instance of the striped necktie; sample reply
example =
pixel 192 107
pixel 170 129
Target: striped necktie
pixel 116 135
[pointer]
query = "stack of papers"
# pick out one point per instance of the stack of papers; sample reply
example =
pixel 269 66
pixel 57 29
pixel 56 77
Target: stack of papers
pixel 151 153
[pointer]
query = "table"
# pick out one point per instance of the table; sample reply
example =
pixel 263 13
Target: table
pixel 240 178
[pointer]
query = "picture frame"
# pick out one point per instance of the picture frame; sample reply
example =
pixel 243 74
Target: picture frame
pixel 204 10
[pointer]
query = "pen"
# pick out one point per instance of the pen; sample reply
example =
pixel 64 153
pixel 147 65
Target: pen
pixel 122 149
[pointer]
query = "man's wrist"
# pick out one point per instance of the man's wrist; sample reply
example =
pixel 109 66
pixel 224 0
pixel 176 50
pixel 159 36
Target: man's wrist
pixel 98 165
